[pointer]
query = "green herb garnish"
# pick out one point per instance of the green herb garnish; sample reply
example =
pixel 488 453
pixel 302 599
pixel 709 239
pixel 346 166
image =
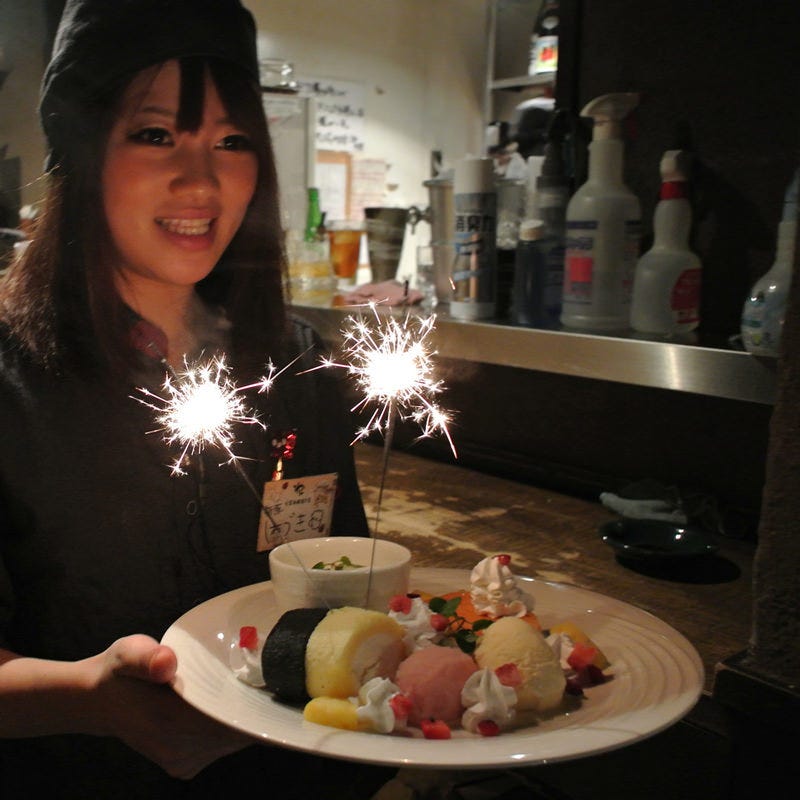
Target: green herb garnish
pixel 458 628
pixel 343 562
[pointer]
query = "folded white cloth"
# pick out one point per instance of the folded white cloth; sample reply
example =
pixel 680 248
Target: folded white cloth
pixel 643 509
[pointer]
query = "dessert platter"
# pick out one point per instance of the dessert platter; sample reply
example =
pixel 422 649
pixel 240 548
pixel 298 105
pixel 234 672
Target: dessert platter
pixel 238 658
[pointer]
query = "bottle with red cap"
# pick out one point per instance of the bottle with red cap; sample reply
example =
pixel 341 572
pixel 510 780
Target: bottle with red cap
pixel 543 59
pixel 668 277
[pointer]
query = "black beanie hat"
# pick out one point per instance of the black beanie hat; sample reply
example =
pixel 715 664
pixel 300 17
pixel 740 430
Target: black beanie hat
pixel 98 42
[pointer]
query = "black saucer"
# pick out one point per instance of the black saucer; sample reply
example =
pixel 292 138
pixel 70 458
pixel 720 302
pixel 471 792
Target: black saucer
pixel 655 540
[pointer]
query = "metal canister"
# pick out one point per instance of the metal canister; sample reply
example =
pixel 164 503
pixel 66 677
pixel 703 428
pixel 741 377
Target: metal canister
pixel 474 272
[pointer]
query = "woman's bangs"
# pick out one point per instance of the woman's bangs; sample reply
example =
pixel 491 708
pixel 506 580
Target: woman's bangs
pixel 192 94
pixel 242 100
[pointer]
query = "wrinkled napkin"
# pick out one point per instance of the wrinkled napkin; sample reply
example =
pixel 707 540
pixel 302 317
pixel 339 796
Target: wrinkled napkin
pixel 647 499
pixel 642 509
pixel 390 293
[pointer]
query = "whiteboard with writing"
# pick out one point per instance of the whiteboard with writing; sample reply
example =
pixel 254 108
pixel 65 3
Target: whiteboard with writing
pixel 299 508
pixel 340 113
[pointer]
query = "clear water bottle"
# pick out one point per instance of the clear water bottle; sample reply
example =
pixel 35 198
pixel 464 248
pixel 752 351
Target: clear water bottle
pixel 765 308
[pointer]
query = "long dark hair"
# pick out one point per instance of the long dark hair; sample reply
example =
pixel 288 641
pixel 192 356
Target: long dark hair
pixel 59 297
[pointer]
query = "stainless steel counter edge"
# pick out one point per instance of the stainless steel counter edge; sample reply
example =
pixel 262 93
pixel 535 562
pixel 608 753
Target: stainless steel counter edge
pixel 731 374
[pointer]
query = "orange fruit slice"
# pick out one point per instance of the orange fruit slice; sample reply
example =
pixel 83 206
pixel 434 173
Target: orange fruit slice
pixel 467 610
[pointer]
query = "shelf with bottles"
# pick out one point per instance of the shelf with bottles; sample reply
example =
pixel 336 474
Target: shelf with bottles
pixel 672 365
pixel 545 82
pixel 510 49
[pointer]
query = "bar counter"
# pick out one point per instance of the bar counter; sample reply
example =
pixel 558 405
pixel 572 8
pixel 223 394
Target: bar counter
pixel 450 516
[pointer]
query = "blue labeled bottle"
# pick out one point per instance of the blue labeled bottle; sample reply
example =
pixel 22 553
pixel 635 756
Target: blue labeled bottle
pixel 538 277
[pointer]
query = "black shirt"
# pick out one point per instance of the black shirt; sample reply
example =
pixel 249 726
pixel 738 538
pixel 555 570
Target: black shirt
pixel 99 539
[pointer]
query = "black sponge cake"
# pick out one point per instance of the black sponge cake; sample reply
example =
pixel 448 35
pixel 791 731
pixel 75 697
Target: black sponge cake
pixel 283 659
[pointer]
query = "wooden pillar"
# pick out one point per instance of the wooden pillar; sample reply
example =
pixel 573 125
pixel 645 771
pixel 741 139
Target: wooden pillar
pixel 760 688
pixel 775 643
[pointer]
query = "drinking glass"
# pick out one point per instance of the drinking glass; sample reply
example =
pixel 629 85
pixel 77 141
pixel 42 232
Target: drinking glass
pixel 345 243
pixel 426 277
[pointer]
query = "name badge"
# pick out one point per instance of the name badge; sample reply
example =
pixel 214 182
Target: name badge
pixel 299 508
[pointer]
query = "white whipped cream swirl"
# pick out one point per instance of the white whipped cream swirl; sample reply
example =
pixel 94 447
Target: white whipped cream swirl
pixel 494 590
pixel 246 664
pixel 417 629
pixel 374 709
pixel 485 698
pixel 562 647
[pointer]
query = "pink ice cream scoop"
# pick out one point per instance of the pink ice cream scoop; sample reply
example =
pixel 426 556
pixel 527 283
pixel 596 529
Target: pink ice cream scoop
pixel 432 678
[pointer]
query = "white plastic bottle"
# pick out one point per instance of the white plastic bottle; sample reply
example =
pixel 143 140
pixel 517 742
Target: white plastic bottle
pixel 765 308
pixel 604 222
pixel 667 280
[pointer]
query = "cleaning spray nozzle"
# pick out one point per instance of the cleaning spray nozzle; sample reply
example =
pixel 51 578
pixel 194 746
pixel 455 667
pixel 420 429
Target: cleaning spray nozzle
pixel 675 165
pixel 608 111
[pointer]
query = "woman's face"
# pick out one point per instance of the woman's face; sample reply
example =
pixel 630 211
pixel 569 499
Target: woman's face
pixel 173 199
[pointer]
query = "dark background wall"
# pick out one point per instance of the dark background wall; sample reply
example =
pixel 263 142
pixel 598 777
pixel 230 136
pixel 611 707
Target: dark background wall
pixel 719 78
pixel 584 437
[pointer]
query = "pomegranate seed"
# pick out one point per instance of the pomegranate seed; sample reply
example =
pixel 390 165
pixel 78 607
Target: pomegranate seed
pixel 248 637
pixel 439 622
pixel 435 729
pixel 400 603
pixel 574 686
pixel 509 675
pixel 488 727
pixel 401 705
pixel 592 675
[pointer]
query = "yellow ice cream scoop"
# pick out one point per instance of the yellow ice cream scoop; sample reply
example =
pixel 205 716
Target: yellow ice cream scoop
pixel 510 640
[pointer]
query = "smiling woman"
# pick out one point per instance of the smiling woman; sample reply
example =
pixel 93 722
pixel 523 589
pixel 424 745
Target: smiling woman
pixel 159 242
pixel 174 195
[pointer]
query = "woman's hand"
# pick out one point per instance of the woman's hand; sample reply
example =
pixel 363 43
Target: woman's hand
pixel 134 702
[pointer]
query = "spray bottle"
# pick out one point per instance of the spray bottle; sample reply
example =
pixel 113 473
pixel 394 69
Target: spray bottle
pixel 765 308
pixel 603 227
pixel 666 284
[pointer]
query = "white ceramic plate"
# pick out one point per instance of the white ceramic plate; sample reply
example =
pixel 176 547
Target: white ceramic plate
pixel 657 679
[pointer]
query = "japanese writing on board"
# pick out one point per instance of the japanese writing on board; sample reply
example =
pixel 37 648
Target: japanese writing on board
pixel 300 508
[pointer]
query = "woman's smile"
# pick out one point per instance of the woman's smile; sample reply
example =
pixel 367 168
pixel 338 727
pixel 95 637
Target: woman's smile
pixel 186 227
pixel 173 198
pixel 188 232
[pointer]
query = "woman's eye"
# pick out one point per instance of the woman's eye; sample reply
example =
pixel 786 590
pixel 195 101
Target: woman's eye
pixel 154 136
pixel 235 141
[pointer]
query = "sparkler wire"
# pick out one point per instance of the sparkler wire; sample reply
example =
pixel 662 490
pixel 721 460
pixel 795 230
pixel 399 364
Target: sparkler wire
pixel 201 406
pixel 392 365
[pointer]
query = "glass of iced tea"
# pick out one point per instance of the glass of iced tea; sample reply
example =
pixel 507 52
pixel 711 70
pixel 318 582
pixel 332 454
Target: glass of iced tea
pixel 344 237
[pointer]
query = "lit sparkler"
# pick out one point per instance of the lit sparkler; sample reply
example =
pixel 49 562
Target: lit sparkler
pixel 392 363
pixel 200 406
